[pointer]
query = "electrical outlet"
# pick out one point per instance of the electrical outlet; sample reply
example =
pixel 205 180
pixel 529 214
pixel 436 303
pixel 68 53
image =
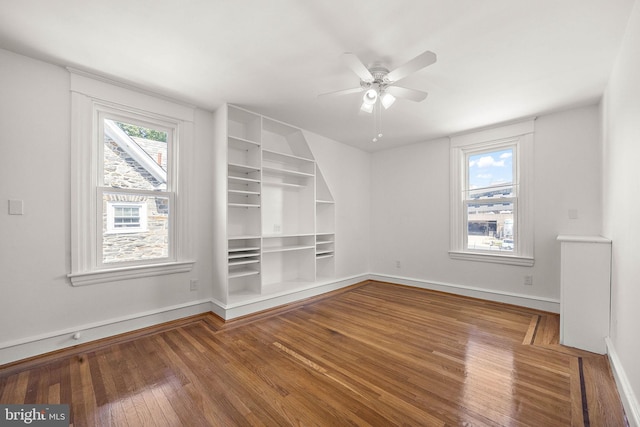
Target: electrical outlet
pixel 397 264
pixel 528 280
pixel 193 285
pixel 276 228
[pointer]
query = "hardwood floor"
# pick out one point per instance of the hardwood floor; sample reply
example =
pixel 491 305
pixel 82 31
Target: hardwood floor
pixel 373 354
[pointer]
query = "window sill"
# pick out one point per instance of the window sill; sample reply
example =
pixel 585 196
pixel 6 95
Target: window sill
pixel 494 258
pixel 125 273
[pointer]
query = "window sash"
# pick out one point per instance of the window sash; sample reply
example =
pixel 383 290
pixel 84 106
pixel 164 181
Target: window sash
pixel 100 229
pixel 497 201
pixel 105 113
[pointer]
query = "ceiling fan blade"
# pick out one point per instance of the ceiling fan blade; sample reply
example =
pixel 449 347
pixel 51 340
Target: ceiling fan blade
pixel 357 66
pixel 410 94
pixel 423 60
pixel 342 92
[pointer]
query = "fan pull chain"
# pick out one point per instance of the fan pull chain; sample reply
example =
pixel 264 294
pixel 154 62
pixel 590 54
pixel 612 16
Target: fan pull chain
pixel 377 121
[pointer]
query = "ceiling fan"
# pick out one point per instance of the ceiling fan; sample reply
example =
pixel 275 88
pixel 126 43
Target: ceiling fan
pixel 379 84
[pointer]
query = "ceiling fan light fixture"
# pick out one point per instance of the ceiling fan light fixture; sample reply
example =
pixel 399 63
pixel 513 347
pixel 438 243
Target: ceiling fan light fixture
pixel 370 97
pixel 387 100
pixel 367 108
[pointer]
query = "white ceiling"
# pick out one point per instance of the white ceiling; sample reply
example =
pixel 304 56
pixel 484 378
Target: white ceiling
pixel 498 60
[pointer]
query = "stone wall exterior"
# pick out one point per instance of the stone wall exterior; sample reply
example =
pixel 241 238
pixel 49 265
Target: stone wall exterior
pixel 121 171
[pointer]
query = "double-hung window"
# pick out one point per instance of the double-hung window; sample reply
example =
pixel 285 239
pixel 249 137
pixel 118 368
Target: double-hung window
pixel 491 195
pixel 127 221
pixel 135 186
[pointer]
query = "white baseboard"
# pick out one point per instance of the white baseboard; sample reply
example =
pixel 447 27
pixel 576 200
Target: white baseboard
pixel 266 302
pixel 12 351
pixel 628 397
pixel 44 343
pixel 538 303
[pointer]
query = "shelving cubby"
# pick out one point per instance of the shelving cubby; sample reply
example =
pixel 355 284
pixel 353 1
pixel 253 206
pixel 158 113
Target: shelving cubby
pixel 243 259
pixel 288 175
pixel 288 262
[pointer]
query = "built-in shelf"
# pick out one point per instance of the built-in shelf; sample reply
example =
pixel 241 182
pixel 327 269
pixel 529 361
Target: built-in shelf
pixel 243 205
pixel 245 249
pixel 239 168
pixel 289 158
pixel 242 143
pixel 244 237
pixel 242 261
pixel 244 192
pixel 277 201
pixel 283 184
pixel 277 236
pixel 279 171
pixel 243 179
pixel 286 248
pixel 242 273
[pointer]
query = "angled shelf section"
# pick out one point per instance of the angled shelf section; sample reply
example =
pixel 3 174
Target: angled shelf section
pixel 325 229
pixel 280 222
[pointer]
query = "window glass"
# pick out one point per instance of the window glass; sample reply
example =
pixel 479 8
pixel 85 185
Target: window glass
pixel 134 156
pixel 490 174
pixel 135 231
pixel 490 226
pixel 490 200
pixel 135 200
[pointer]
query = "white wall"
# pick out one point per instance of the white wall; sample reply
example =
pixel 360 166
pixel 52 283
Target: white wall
pixel 37 300
pixel 621 121
pixel 410 208
pixel 347 171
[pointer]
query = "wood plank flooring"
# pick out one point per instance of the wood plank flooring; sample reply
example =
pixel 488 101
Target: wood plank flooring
pixel 373 354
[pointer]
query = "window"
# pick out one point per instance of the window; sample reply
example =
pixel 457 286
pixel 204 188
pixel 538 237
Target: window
pixel 135 182
pixel 491 195
pixel 490 199
pixel 126 221
pixel 123 217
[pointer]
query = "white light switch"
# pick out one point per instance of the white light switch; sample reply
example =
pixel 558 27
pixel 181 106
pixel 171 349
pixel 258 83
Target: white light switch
pixel 16 207
pixel 573 213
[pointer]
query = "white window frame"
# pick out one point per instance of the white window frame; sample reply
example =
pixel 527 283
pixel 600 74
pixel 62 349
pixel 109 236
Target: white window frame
pixel 111 217
pixel 93 98
pixel 518 136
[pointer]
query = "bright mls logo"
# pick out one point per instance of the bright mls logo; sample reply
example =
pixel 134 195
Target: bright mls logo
pixel 34 415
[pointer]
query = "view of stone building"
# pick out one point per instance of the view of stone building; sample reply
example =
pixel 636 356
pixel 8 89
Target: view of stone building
pixel 135 226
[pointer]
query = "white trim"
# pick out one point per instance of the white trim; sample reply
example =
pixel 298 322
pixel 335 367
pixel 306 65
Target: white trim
pixel 582 239
pixel 15 350
pixel 126 273
pixel 496 258
pixel 265 302
pixel 628 397
pixel 520 136
pixel 89 99
pixel 493 133
pixel 531 301
pixel 23 348
pixel 99 87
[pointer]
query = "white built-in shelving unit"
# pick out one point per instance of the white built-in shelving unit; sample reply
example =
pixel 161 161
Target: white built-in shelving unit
pixel 280 211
